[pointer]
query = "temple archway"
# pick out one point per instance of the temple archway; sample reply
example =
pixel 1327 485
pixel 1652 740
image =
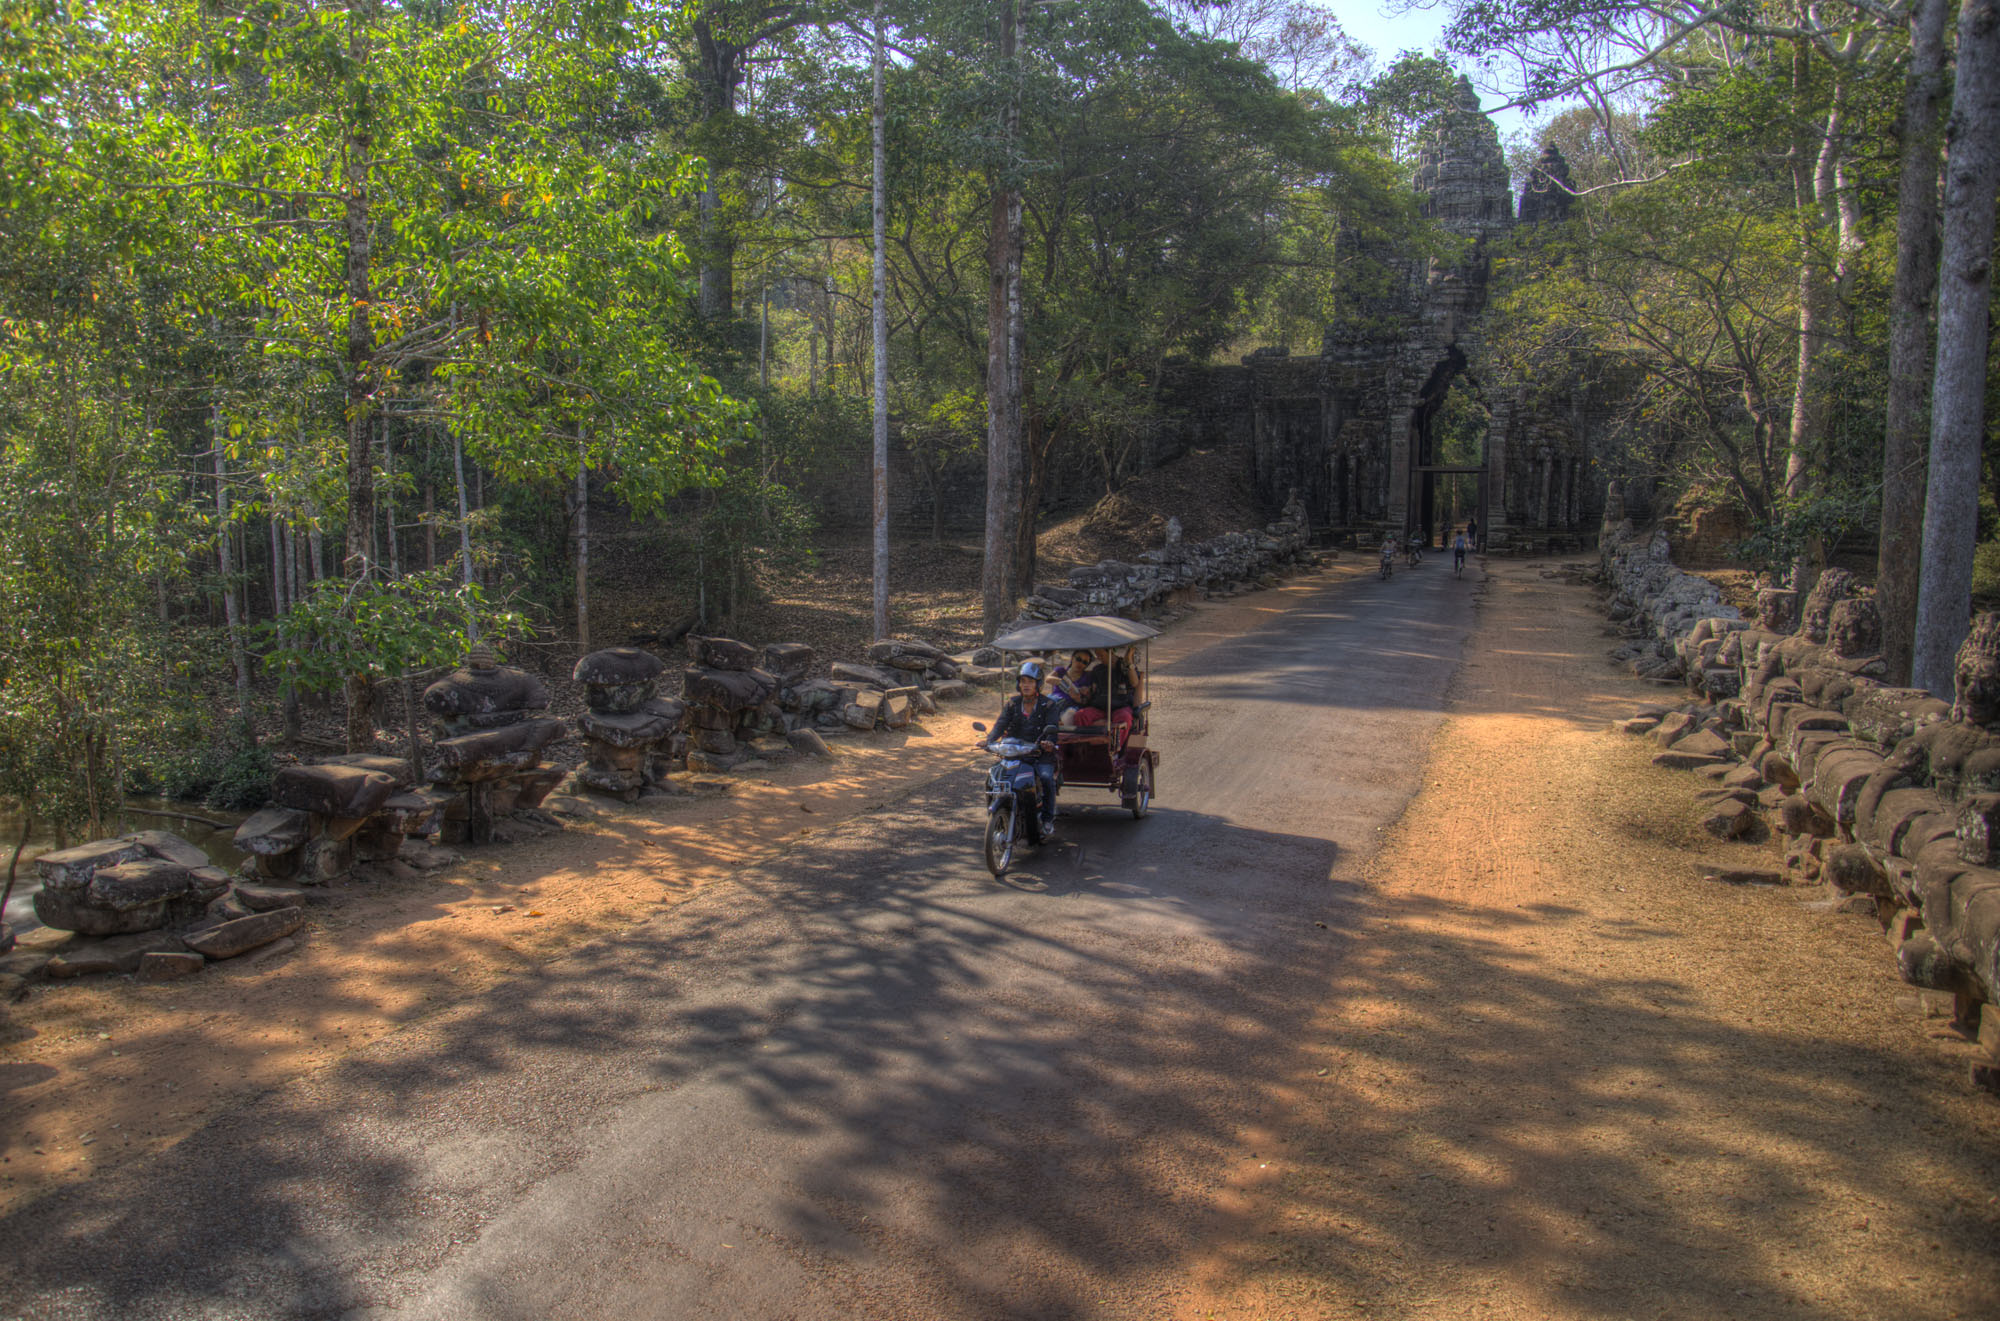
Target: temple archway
pixel 1447 441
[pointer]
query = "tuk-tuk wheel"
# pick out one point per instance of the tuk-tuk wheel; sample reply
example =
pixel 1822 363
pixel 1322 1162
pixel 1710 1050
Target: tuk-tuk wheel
pixel 1138 789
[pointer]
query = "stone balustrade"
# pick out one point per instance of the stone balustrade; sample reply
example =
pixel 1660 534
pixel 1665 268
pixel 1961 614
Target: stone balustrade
pixel 1890 796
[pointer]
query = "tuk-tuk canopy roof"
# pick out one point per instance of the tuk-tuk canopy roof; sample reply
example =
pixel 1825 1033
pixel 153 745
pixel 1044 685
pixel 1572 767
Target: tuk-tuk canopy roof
pixel 1088 631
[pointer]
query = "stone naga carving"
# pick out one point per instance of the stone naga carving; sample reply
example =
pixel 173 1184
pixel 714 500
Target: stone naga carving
pixel 634 737
pixel 490 759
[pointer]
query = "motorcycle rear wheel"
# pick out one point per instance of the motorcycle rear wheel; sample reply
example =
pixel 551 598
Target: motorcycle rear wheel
pixel 1000 839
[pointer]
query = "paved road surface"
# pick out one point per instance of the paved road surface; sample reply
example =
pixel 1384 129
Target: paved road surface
pixel 864 1080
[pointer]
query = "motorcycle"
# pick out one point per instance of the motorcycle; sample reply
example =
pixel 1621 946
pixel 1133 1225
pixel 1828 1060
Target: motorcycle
pixel 1013 800
pixel 1416 550
pixel 1388 559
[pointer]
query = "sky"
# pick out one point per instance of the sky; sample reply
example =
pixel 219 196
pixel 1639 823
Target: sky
pixel 1373 23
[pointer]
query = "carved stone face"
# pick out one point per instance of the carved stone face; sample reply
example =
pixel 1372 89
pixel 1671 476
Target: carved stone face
pixel 1855 629
pixel 1976 676
pixel 1834 586
pixel 1778 609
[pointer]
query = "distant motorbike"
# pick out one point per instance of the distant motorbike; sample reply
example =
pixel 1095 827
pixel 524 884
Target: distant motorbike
pixel 1416 550
pixel 1388 559
pixel 1013 800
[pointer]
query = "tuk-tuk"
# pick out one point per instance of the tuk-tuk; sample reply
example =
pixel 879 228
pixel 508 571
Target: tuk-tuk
pixel 1094 756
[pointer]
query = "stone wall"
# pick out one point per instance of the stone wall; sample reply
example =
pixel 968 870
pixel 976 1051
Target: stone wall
pixel 1114 587
pixel 1658 602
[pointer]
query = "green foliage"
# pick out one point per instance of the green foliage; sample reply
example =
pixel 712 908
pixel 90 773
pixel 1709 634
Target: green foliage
pixel 1796 527
pixel 383 629
pixel 230 779
pixel 1986 575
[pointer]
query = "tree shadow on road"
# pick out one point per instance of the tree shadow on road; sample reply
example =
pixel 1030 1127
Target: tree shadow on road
pixel 997 1101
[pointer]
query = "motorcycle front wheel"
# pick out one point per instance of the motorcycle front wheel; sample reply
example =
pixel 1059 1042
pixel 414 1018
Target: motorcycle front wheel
pixel 1000 838
pixel 1385 570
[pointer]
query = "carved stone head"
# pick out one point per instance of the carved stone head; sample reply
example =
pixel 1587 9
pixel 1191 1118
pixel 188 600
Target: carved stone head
pixel 1976 676
pixel 1834 585
pixel 481 657
pixel 1854 629
pixel 1778 609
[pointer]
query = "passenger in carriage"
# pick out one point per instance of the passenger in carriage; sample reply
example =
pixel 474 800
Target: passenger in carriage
pixel 1112 688
pixel 1071 687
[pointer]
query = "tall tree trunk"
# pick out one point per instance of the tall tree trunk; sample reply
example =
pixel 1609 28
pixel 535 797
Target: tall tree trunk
pixel 1813 192
pixel 999 589
pixel 718 69
pixel 1905 433
pixel 430 524
pixel 389 501
pixel 233 619
pixel 582 549
pixel 1035 443
pixel 880 467
pixel 464 530
pixel 360 351
pixel 1958 393
pixel 278 601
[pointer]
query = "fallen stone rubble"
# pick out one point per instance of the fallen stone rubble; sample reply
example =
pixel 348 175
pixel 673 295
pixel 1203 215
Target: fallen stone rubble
pixel 1888 796
pixel 1114 587
pixel 149 905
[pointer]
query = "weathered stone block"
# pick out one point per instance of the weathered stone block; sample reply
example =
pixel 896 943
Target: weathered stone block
pixel 1673 728
pixel 333 791
pixel 1703 743
pixel 266 898
pixel 790 662
pixel 1839 777
pixel 244 934
pixel 809 743
pixel 724 654
pixel 1848 867
pixel 864 676
pixel 729 690
pixel 618 667
pixel 1685 761
pixel 494 753
pixel 169 965
pixel 115 954
pixel 72 868
pixel 273 830
pixel 1728 818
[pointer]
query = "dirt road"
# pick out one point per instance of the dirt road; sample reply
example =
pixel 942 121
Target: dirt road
pixel 1242 1058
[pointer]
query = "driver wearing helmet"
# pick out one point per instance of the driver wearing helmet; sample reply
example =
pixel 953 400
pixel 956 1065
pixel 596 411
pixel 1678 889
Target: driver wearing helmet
pixel 1032 716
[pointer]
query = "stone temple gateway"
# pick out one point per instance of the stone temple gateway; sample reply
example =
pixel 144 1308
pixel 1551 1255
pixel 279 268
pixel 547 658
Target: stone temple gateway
pixel 1352 429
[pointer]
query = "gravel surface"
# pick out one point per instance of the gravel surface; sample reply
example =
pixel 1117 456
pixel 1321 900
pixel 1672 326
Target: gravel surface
pixel 1558 1075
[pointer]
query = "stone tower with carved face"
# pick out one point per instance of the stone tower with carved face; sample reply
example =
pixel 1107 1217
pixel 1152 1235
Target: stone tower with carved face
pixel 1352 429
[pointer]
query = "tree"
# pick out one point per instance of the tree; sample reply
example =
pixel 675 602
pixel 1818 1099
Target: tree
pixel 1958 392
pixel 1905 436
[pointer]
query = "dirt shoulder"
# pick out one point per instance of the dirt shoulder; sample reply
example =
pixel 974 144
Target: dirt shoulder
pixel 1558 1075
pixel 102 1072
